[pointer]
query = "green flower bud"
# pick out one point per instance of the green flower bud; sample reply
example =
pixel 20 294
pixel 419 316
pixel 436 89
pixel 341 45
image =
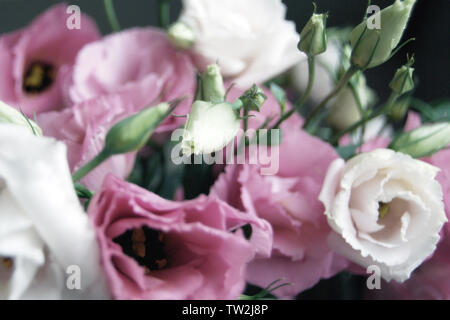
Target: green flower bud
pixel 132 133
pixel 423 141
pixel 212 86
pixel 403 80
pixel 209 128
pixel 313 38
pixel 372 47
pixel 253 98
pixel 10 115
pixel 181 36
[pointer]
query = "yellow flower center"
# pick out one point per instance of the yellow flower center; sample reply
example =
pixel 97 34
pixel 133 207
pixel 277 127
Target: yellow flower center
pixel 38 77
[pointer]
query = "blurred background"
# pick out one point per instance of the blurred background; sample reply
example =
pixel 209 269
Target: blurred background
pixel 429 25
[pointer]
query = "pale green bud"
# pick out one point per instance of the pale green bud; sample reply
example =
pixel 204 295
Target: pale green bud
pixel 213 89
pixel 313 38
pixel 403 80
pixel 372 47
pixel 10 115
pixel 132 133
pixel 423 141
pixel 254 98
pixel 181 35
pixel 209 128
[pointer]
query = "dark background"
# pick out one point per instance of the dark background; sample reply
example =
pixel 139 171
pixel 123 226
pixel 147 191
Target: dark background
pixel 430 25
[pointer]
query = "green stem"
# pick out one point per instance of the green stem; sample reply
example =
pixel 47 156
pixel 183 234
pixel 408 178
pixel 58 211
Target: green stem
pixel 304 97
pixel 341 84
pixel 389 103
pixel 91 165
pixel 111 14
pixel 164 13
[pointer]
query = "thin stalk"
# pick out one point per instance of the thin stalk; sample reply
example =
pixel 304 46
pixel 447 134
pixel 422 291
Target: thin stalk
pixel 164 13
pixel 341 84
pixel 111 14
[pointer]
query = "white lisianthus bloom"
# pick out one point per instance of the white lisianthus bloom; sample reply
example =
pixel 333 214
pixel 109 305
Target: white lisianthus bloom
pixel 209 128
pixel 45 236
pixel 251 40
pixel 386 209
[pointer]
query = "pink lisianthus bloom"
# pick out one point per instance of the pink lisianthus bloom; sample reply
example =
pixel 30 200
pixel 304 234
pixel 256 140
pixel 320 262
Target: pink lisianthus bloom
pixel 432 279
pixel 154 248
pixel 36 60
pixel 140 63
pixel 83 129
pixel 289 201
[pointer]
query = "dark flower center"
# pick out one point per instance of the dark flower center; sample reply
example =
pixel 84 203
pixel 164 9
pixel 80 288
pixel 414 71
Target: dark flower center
pixel 7 263
pixel 38 77
pixel 146 246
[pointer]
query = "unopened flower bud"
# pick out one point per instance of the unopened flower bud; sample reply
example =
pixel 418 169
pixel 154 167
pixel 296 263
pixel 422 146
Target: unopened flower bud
pixel 213 89
pixel 423 141
pixel 372 47
pixel 313 38
pixel 253 98
pixel 403 80
pixel 10 115
pixel 181 35
pixel 209 128
pixel 132 133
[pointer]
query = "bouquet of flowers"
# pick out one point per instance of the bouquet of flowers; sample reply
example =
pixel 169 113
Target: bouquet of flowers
pixel 220 156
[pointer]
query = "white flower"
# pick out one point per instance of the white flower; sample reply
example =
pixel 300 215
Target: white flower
pixel 209 128
pixel 386 209
pixel 43 229
pixel 251 40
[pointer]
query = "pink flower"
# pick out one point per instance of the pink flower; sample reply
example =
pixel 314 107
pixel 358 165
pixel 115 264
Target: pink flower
pixel 154 248
pixel 36 60
pixel 139 62
pixel 288 201
pixel 83 129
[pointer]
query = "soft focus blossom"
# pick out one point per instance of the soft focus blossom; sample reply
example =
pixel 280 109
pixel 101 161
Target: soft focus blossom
pixel 36 60
pixel 83 129
pixel 43 229
pixel 153 248
pixel 385 209
pixel 288 201
pixel 250 40
pixel 139 63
